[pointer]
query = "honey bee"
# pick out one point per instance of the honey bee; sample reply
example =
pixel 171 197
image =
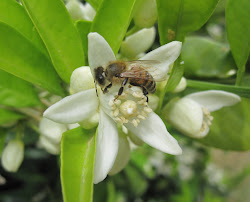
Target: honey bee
pixel 136 73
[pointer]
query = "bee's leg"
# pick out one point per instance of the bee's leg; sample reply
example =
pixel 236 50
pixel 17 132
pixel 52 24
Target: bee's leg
pixel 124 82
pixel 96 89
pixel 145 92
pixel 106 88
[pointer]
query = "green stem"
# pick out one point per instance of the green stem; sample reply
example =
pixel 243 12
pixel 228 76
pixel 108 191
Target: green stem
pixel 200 85
pixel 240 74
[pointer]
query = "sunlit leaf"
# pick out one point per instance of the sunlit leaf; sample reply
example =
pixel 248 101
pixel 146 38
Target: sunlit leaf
pixel 204 57
pixel 16 92
pixel 77 165
pixel 230 129
pixel 83 29
pixel 22 59
pixel 59 34
pixel 112 21
pixel 13 14
pixel 179 17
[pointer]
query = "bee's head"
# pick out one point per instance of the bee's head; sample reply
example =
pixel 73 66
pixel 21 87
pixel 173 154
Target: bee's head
pixel 99 76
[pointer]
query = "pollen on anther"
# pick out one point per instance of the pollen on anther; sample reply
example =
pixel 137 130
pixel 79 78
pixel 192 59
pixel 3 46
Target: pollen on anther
pixel 134 122
pixel 147 109
pixel 116 112
pixel 141 117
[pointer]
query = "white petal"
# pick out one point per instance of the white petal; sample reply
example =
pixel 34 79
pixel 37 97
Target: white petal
pixel 165 54
pixel 153 131
pixel 52 130
pixel 214 99
pixel 106 147
pixel 185 115
pixel 99 51
pixel 138 42
pixel 73 108
pixel 123 156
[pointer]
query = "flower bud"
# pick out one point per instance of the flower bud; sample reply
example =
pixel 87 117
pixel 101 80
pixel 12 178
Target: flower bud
pixel 137 43
pixel 146 14
pixel 185 115
pixel 12 155
pixel 91 122
pixel 75 9
pixel 181 86
pixel 81 80
pixel 51 147
pixel 52 130
pixel 78 11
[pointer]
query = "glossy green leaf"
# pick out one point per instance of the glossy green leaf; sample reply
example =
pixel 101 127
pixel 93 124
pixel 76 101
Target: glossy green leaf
pixel 16 92
pixel 204 57
pixel 22 59
pixel 13 14
pixel 230 129
pixel 59 34
pixel 3 135
pixel 112 21
pixel 84 29
pixel 77 165
pixel 238 29
pixel 7 116
pixel 179 17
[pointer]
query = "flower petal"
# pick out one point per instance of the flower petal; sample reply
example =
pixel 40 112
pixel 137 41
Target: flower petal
pixel 106 147
pixel 165 54
pixel 73 108
pixel 123 156
pixel 153 131
pixel 99 51
pixel 214 99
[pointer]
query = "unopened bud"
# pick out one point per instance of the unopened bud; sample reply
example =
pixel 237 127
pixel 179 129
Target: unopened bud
pixel 12 155
pixel 146 14
pixel 138 43
pixel 81 80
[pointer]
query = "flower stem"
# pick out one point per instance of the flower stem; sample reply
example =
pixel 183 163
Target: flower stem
pixel 240 74
pixel 200 85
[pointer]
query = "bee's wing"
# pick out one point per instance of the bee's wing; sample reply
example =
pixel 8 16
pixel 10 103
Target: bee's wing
pixel 152 66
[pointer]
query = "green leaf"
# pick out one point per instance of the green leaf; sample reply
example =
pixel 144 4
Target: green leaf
pixel 204 57
pixel 230 129
pixel 21 58
pixel 179 17
pixel 3 135
pixel 7 116
pixel 112 20
pixel 77 165
pixel 13 14
pixel 16 92
pixel 238 29
pixel 84 29
pixel 200 85
pixel 59 34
